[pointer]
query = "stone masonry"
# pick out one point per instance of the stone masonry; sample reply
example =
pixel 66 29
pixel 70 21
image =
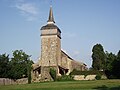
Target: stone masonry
pixel 51 54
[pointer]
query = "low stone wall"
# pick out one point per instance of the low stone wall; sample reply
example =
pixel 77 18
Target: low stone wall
pixel 79 77
pixel 6 81
pixel 88 77
pixel 83 77
pixel 22 81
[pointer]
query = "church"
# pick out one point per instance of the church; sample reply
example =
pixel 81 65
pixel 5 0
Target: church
pixel 51 54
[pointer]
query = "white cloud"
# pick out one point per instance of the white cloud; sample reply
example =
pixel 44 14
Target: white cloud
pixel 27 8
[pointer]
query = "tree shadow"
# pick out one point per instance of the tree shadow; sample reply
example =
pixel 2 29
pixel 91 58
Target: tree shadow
pixel 104 87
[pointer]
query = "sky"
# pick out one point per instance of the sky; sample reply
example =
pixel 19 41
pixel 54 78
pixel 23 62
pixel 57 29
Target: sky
pixel 83 23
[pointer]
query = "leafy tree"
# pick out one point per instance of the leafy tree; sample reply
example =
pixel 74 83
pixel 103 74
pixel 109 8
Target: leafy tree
pixel 118 55
pixel 19 65
pixel 98 57
pixel 4 65
pixel 110 58
pixel 116 66
pixel 113 65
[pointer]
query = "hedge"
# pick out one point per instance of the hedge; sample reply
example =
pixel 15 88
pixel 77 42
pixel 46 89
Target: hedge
pixel 92 72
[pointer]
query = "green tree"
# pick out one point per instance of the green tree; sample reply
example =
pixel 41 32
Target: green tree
pixel 118 55
pixel 116 66
pixel 110 58
pixel 98 57
pixel 29 68
pixel 20 64
pixel 4 65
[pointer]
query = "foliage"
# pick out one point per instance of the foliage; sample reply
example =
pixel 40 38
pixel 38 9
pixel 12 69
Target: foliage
pixel 18 67
pixel 29 68
pixel 90 72
pixel 19 64
pixel 116 66
pixel 110 58
pixel 108 62
pixel 4 65
pixel 53 73
pixel 65 78
pixel 113 65
pixel 98 77
pixel 98 57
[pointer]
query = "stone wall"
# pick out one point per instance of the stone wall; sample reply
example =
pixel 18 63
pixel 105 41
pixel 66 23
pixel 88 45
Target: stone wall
pixel 83 77
pixel 68 63
pixel 88 77
pixel 45 73
pixel 64 60
pixel 78 66
pixel 51 53
pixel 6 81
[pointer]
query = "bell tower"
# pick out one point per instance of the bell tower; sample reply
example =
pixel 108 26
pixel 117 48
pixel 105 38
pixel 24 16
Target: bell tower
pixel 50 46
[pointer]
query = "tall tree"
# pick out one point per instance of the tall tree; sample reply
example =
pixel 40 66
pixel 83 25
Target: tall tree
pixel 4 65
pixel 19 64
pixel 118 55
pixel 98 57
pixel 116 66
pixel 110 58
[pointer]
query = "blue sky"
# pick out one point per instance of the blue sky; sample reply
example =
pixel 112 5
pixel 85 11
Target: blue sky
pixel 83 23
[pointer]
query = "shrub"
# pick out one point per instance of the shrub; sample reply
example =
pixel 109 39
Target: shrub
pixel 65 78
pixel 53 73
pixel 91 72
pixel 98 77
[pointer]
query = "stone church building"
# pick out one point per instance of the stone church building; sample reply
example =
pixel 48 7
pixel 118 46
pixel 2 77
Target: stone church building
pixel 51 54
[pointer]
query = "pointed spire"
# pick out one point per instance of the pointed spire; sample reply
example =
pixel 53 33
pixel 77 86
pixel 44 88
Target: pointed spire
pixel 51 18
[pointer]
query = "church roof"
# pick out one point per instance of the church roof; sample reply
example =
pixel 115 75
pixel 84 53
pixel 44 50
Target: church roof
pixel 51 18
pixel 67 55
pixel 50 24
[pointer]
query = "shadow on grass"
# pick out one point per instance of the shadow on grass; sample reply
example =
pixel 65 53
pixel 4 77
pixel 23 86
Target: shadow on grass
pixel 104 87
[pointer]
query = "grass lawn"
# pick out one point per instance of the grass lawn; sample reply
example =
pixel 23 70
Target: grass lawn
pixel 67 85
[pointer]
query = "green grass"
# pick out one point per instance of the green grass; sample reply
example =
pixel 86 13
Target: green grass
pixel 67 85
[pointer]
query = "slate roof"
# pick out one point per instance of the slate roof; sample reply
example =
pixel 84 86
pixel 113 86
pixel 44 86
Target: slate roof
pixel 51 18
pixel 50 26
